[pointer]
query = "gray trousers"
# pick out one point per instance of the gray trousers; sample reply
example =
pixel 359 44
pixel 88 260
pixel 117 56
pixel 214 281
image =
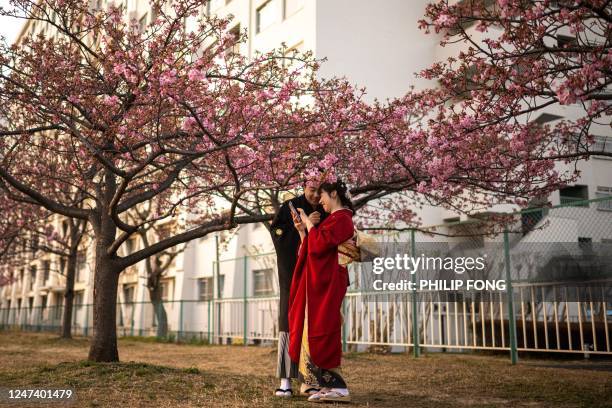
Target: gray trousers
pixel 285 368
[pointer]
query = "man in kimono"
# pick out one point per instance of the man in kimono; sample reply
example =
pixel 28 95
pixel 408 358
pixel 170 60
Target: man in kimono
pixel 286 243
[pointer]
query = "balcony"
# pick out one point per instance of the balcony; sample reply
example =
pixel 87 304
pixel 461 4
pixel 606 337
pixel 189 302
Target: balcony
pixel 574 196
pixel 573 201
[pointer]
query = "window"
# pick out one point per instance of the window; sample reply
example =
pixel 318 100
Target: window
pixel 235 33
pixel 293 64
pixel 267 15
pixel 35 243
pixel 81 265
pixel 130 246
pixel 263 282
pixel 574 196
pixel 602 192
pixel 32 276
pixel 142 23
pixel 78 299
pixel 299 47
pixel 602 144
pixel 565 41
pixel 128 293
pixel 154 16
pixel 46 271
pixel 291 7
pixel 78 305
pixel 58 308
pixel 205 288
pixel 166 288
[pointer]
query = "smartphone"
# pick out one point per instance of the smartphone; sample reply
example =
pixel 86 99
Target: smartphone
pixel 293 210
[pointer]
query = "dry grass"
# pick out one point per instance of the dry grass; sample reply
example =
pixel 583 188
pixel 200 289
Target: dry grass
pixel 170 375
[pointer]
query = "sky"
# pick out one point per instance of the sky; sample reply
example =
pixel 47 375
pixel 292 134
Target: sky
pixel 9 27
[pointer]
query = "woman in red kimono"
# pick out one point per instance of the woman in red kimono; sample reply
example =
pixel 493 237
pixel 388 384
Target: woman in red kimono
pixel 317 289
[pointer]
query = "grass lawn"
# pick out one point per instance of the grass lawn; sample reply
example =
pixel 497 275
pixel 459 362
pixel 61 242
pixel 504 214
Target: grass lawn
pixel 169 375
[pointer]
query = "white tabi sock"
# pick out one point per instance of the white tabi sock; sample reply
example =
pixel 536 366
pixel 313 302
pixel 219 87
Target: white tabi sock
pixel 285 384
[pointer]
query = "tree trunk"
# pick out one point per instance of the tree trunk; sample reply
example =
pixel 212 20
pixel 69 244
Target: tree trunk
pixel 104 341
pixel 106 281
pixel 69 297
pixel 160 311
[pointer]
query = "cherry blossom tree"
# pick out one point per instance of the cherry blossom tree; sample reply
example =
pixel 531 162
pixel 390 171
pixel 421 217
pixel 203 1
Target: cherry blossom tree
pixel 126 116
pixel 15 221
pixel 157 265
pixel 409 157
pixel 516 60
pixel 28 232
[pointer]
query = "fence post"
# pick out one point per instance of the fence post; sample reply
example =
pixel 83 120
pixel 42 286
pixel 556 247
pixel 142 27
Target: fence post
pixel 415 315
pixel 244 300
pixel 209 321
pixel 142 312
pixel 180 321
pixel 344 326
pixel 132 319
pixel 218 272
pixel 509 293
pixel 86 329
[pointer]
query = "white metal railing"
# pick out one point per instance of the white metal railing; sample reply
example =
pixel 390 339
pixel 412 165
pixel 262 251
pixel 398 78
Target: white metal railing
pixel 376 319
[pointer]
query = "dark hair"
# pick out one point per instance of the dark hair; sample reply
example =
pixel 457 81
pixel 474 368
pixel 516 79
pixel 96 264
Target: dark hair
pixel 341 189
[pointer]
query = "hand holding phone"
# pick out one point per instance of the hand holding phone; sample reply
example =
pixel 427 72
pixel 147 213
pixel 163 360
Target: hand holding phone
pixel 297 220
pixel 305 219
pixel 294 212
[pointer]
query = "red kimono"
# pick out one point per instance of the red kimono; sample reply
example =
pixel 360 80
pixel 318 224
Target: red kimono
pixel 319 278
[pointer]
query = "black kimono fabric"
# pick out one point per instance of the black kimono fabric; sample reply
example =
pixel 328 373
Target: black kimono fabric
pixel 286 242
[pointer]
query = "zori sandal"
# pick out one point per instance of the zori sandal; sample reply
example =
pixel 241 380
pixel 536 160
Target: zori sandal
pixel 317 396
pixel 309 391
pixel 335 396
pixel 279 392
